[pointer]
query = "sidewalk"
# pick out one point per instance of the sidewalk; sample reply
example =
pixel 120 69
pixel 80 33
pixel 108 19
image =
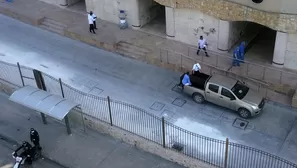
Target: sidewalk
pixel 77 150
pixel 111 38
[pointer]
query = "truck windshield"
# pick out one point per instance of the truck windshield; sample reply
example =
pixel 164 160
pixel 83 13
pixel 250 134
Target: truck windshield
pixel 240 90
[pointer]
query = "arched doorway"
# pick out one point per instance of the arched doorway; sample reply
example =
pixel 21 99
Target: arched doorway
pixel 259 39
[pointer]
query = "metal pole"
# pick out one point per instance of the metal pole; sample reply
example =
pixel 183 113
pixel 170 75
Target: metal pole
pixel 226 153
pixel 264 73
pixel 217 61
pixel 163 132
pixel 23 83
pixel 83 121
pixel 61 86
pixel 67 125
pixel 160 55
pixel 109 109
pixel 181 62
pixel 167 57
pixel 41 85
pixel 43 118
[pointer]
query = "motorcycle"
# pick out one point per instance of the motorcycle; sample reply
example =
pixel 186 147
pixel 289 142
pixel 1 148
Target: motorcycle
pixel 26 156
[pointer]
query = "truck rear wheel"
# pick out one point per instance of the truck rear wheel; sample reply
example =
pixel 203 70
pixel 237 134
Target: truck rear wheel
pixel 244 113
pixel 198 98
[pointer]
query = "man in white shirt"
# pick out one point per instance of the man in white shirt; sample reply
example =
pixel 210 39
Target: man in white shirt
pixel 202 45
pixel 196 69
pixel 94 20
pixel 91 22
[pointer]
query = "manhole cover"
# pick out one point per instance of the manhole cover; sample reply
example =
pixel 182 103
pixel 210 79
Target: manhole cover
pixel 177 89
pixel 96 91
pixel 157 106
pixel 239 123
pixel 179 102
pixel 177 146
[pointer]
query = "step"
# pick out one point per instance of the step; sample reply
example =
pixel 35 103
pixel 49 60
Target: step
pixel 132 51
pixel 53 25
pixel 59 31
pixel 53 22
pixel 133 47
pixel 129 53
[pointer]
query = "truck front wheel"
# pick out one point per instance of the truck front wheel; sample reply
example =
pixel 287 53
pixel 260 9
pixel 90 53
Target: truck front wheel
pixel 198 98
pixel 244 113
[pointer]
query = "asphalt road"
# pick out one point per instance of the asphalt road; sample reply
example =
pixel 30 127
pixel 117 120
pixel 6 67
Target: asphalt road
pixel 102 73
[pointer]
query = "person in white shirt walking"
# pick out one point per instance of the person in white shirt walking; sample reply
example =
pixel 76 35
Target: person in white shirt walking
pixel 196 69
pixel 94 21
pixel 202 45
pixel 91 22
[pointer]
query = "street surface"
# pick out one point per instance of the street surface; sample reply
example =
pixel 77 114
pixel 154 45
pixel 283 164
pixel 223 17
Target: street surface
pixel 6 161
pixel 80 150
pixel 106 74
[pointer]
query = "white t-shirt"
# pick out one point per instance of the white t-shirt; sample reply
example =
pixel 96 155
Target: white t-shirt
pixel 94 17
pixel 90 19
pixel 196 67
pixel 202 43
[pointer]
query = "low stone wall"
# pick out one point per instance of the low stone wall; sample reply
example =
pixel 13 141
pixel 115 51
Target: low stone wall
pixel 137 141
pixel 35 21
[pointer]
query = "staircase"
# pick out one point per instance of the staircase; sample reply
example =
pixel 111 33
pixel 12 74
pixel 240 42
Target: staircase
pixel 132 51
pixel 53 26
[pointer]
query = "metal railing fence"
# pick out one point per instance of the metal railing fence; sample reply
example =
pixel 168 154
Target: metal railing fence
pixel 222 61
pixel 219 153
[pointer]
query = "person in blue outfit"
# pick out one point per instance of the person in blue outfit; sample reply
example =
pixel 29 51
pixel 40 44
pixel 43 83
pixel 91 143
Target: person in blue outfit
pixel 186 80
pixel 236 56
pixel 241 51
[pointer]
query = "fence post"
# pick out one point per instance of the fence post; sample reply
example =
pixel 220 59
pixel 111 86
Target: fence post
pixel 167 57
pixel 226 153
pixel 61 86
pixel 21 74
pixel 264 73
pixel 109 110
pixel 41 85
pixel 163 132
pixel 217 61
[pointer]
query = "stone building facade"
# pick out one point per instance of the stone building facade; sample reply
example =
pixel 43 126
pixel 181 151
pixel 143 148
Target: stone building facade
pixel 222 21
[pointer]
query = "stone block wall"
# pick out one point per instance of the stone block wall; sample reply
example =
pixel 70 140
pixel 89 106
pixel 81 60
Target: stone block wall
pixel 190 24
pixel 56 2
pixel 226 10
pixel 291 52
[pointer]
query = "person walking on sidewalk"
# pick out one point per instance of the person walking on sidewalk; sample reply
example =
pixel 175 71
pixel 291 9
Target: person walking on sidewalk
pixel 196 69
pixel 241 51
pixel 34 137
pixel 94 20
pixel 202 45
pixel 236 56
pixel 91 22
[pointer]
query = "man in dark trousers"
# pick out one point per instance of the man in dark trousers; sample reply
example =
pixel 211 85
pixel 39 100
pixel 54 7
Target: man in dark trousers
pixel 202 45
pixel 34 137
pixel 91 23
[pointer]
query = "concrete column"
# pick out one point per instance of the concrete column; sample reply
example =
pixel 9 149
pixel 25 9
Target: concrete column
pixel 224 34
pixel 135 14
pixel 280 49
pixel 170 21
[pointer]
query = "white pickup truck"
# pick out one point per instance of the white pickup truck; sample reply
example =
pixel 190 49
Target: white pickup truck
pixel 226 92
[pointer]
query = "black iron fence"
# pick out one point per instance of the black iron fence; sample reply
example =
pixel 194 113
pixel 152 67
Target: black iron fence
pixel 135 120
